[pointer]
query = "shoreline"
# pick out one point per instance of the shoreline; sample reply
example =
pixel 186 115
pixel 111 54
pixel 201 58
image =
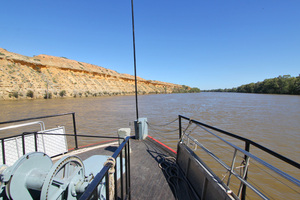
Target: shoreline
pixel 82 97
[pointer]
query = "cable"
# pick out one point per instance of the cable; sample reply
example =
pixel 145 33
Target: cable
pixel 167 131
pixel 164 137
pixel 163 124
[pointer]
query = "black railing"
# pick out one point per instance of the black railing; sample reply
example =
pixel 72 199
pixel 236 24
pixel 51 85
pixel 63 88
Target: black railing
pixel 48 116
pixel 91 191
pixel 42 133
pixel 247 142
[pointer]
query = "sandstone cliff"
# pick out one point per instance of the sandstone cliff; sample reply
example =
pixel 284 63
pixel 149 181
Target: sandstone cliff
pixel 35 77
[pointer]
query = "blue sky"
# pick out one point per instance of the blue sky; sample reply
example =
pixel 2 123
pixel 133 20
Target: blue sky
pixel 206 44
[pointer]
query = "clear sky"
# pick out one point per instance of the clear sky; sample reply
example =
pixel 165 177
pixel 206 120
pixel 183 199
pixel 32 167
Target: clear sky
pixel 200 43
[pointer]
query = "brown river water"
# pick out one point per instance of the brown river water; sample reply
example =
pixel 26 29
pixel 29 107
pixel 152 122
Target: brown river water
pixel 270 120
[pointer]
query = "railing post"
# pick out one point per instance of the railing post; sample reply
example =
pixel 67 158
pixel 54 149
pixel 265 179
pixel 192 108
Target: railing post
pixel 128 161
pixel 3 152
pixel 107 184
pixel 247 148
pixel 121 167
pixel 126 169
pixel 232 167
pixel 35 141
pixel 116 180
pixel 179 121
pixel 23 143
pixel 75 131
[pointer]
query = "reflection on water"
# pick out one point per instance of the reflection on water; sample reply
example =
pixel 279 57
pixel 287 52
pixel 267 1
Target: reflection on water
pixel 271 120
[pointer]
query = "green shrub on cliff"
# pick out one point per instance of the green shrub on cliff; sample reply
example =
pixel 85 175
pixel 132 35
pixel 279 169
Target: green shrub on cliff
pixel 14 94
pixel 49 96
pixel 62 93
pixel 29 93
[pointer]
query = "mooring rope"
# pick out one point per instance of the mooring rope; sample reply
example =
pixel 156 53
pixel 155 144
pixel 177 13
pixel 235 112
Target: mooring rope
pixel 111 162
pixel 157 128
pixel 168 123
pixel 186 128
pixel 164 131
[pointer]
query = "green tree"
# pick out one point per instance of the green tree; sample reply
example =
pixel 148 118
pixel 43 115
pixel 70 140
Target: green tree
pixel 14 94
pixel 297 85
pixel 283 84
pixel 291 85
pixel 194 90
pixel 241 89
pixel 29 93
pixel 249 88
pixel 280 85
pixel 62 93
pixel 48 96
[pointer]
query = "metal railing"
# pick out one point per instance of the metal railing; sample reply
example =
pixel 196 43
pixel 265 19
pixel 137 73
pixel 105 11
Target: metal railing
pixel 242 178
pixel 48 116
pixel 91 191
pixel 23 135
pixel 41 123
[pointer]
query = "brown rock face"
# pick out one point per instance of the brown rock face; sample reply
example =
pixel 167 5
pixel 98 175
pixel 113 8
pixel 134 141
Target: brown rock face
pixel 35 77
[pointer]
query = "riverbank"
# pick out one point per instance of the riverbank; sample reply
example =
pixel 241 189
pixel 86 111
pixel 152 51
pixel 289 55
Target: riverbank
pixel 58 96
pixel 45 76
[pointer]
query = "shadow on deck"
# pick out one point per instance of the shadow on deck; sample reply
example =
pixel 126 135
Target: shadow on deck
pixel 154 173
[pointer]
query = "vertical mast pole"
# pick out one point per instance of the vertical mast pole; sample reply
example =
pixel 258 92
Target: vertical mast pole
pixel 134 57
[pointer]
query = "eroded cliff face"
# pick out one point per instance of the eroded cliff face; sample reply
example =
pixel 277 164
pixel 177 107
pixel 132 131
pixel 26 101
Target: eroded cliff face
pixel 35 77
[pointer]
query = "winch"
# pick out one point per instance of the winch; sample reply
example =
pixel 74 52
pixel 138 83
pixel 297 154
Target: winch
pixel 34 176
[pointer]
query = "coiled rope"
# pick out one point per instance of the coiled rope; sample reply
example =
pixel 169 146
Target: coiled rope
pixel 111 162
pixel 171 170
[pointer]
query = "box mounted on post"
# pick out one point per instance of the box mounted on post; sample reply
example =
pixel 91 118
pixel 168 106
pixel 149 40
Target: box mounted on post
pixel 141 128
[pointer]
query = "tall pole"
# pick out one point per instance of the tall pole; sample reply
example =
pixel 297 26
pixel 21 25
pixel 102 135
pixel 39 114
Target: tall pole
pixel 135 79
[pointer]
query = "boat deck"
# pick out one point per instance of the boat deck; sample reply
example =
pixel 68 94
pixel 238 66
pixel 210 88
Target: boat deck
pixel 148 179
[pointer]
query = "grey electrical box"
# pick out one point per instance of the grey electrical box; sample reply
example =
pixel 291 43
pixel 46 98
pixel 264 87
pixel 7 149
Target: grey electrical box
pixel 141 128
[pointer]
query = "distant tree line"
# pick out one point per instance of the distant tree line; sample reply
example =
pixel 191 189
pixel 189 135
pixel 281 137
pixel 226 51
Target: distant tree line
pixel 186 89
pixel 285 84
